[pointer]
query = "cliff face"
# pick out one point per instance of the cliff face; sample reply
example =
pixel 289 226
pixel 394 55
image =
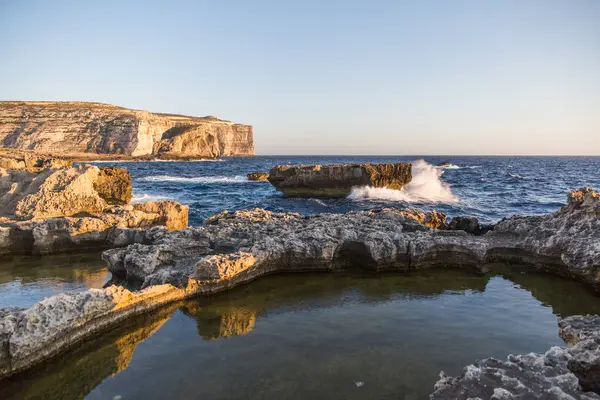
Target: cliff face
pixel 78 127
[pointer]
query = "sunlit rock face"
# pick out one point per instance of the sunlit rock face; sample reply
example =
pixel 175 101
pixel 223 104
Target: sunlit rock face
pixel 47 208
pixel 337 180
pixel 78 127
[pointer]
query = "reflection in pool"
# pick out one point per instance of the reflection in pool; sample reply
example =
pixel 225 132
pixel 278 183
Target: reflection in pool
pixel 25 280
pixel 333 336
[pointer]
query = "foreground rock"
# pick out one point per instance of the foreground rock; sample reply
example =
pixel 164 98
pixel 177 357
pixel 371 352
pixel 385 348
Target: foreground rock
pixel 93 231
pixel 63 209
pixel 73 128
pixel 233 248
pixel 337 180
pixel 560 373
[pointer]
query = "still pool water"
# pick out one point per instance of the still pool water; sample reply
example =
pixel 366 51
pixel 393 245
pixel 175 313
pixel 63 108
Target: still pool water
pixel 25 280
pixel 315 336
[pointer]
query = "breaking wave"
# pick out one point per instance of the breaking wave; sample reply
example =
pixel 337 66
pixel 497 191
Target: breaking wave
pixel 197 179
pixel 146 197
pixel 425 187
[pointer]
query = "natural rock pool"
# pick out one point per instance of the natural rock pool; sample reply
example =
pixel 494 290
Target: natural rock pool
pixel 299 336
pixel 25 280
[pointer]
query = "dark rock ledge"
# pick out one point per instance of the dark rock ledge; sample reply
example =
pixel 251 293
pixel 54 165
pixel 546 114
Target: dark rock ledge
pixel 234 248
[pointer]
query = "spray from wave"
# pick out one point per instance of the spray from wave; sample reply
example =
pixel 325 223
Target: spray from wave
pixel 146 197
pixel 449 166
pixel 197 179
pixel 425 187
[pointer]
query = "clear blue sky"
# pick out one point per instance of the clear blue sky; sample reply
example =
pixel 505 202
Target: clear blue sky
pixel 327 77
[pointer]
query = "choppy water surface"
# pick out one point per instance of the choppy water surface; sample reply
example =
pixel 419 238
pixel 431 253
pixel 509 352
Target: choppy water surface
pixel 25 280
pixel 318 336
pixel 488 187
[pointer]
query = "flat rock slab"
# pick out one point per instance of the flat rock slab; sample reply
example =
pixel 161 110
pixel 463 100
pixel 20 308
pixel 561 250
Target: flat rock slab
pixel 337 180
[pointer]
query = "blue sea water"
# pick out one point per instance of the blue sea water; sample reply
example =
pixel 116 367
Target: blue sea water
pixel 487 187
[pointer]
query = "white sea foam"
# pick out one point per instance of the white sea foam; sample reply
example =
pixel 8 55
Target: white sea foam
pixel 196 179
pixel 153 160
pixel 147 197
pixel 450 166
pixel 425 187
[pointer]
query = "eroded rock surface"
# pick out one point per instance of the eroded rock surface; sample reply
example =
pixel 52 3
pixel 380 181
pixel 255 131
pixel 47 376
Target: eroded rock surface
pixel 89 232
pixel 337 180
pixel 564 243
pixel 73 128
pixel 113 185
pixel 62 192
pixel 53 210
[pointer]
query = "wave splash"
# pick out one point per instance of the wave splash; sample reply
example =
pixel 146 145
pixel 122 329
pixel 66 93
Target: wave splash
pixel 197 179
pixel 425 187
pixel 146 197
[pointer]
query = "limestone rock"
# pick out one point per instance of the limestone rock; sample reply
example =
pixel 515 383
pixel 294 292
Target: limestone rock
pixel 469 225
pixel 64 192
pixel 576 328
pixel 258 176
pixel 115 226
pixel 113 185
pixel 170 213
pixel 337 180
pixel 73 128
pixel 530 376
pixel 385 239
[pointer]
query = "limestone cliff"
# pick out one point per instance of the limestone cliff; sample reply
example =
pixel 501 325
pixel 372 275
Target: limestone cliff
pixel 78 127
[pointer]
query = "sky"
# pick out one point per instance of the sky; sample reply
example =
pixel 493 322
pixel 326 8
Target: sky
pixel 327 77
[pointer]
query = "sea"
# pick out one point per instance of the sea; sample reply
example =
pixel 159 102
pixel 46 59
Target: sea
pixel 489 188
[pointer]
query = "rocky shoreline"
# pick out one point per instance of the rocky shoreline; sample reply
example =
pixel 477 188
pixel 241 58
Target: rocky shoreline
pixel 49 206
pixel 234 248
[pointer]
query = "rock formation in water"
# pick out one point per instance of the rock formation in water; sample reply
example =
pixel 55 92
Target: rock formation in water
pixel 69 208
pixel 72 128
pixel 337 180
pixel 258 176
pixel 561 373
pixel 233 248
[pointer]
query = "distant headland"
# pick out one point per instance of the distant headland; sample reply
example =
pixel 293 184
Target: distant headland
pixel 84 130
